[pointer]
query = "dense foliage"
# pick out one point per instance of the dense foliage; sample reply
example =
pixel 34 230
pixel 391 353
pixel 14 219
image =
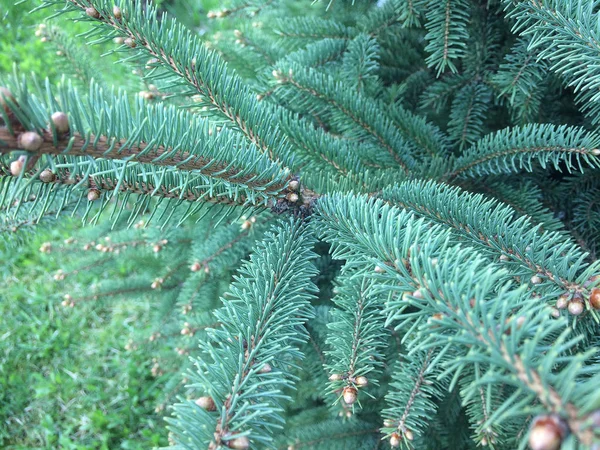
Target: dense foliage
pixel 331 225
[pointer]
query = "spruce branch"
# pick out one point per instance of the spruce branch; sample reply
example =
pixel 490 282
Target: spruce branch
pixel 469 311
pixel 201 70
pixel 495 229
pixel 513 149
pixel 411 397
pixel 260 319
pixel 107 127
pixel 370 122
pixel 472 304
pixel 565 34
pixel 356 335
pixel 447 33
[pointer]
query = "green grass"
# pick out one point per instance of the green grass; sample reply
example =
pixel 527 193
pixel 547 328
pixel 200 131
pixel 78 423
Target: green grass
pixel 66 380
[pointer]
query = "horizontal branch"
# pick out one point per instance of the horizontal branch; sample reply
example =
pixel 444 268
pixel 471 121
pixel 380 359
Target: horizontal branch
pixel 105 148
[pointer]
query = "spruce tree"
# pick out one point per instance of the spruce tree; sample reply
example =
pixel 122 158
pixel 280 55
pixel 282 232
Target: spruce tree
pixel 358 224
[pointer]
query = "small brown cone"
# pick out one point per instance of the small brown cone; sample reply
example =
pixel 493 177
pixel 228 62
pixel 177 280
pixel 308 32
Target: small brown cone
pixel 361 381
pixel 93 195
pixel 266 368
pixel 60 121
pixel 239 443
pixel 16 167
pixel 30 140
pixel 47 176
pixel 546 433
pixel 92 12
pixel 595 298
pixel 575 307
pixel 349 395
pixel 206 403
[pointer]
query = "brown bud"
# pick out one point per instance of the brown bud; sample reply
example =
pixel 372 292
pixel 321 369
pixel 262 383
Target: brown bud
pixel 361 381
pixel 246 225
pixel 536 279
pixel 379 269
pixel 93 195
pixel 563 301
pixel 595 298
pixel 47 176
pixel 294 185
pixel 16 167
pixel 118 40
pixel 350 394
pixel 335 377
pixel 409 435
pixel 61 122
pixel 239 443
pixel 546 433
pixel 395 440
pixel 206 403
pixel 117 12
pixel 575 307
pixel 196 266
pixel 157 248
pixel 292 197
pixel 130 43
pixel 30 140
pixel 92 12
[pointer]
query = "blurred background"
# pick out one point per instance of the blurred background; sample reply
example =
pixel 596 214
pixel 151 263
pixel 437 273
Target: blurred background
pixel 81 372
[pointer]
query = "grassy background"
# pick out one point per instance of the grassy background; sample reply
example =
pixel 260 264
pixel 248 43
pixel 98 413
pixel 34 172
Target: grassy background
pixel 66 380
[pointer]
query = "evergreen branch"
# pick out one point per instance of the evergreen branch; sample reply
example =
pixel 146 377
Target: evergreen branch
pixel 565 32
pixel 316 54
pixel 356 335
pixel 496 230
pixel 360 62
pixel 513 149
pixel 200 69
pixel 79 61
pixel 484 299
pixel 436 95
pixel 425 136
pixel 518 79
pixel 370 121
pixel 382 18
pixel 467 114
pixel 313 28
pixel 481 403
pixel 470 298
pixel 447 33
pixel 411 397
pixel 411 12
pixel 332 435
pixel 261 323
pixel 108 127
pixel 526 199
